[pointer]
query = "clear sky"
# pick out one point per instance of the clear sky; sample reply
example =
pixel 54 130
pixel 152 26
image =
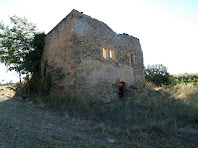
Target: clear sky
pixel 167 29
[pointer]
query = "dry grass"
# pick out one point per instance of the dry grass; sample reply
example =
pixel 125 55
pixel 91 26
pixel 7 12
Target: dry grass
pixel 6 91
pixel 159 126
pixel 101 127
pixel 69 101
pixel 156 117
pixel 30 125
pixel 156 111
pixel 183 91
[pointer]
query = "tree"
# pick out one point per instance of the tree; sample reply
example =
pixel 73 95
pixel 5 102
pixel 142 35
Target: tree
pixel 32 60
pixel 158 75
pixel 15 43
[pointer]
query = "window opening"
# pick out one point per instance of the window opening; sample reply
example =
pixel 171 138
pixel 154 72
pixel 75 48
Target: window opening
pixel 105 53
pixel 112 54
pixel 132 59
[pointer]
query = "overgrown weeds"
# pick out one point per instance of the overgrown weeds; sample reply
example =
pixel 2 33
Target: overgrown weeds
pixel 155 111
pixel 67 101
pixel 154 117
pixel 184 91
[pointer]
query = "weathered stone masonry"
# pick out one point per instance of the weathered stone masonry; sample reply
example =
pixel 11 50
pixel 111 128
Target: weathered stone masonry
pixel 76 45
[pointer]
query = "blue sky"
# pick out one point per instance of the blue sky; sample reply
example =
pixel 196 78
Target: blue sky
pixel 167 29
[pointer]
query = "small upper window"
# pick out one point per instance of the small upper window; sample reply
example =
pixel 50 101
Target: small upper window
pixel 105 53
pixel 112 54
pixel 132 59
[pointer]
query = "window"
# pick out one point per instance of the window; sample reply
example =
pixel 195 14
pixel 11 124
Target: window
pixel 108 53
pixel 105 53
pixel 132 59
pixel 112 54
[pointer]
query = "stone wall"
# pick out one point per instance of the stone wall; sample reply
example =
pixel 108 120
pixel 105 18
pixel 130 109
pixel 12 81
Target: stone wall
pixel 90 37
pixel 76 45
pixel 59 52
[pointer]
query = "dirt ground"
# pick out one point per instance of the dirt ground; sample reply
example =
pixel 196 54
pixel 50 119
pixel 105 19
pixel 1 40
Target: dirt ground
pixel 24 125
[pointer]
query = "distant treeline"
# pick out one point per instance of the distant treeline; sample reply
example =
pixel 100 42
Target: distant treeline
pixel 186 78
pixel 159 76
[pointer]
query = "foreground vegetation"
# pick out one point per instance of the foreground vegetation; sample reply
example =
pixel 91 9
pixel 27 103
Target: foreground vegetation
pixel 156 117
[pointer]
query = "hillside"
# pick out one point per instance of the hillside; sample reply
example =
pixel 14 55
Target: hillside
pixel 158 117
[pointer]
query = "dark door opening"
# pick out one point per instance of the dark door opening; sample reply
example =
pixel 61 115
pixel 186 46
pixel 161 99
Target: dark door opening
pixel 122 91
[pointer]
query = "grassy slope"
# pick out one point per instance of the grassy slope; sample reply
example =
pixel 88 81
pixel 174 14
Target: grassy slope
pixel 157 117
pixel 31 125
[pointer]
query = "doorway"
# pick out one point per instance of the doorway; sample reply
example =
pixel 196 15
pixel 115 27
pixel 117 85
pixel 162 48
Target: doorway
pixel 122 91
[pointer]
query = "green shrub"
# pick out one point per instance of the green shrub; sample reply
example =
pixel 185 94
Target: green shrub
pixel 158 75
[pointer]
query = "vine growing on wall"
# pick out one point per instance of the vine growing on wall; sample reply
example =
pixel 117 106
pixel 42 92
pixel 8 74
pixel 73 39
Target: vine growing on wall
pixel 52 73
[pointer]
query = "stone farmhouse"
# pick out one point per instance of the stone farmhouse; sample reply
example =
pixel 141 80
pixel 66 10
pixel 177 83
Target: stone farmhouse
pixel 96 61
